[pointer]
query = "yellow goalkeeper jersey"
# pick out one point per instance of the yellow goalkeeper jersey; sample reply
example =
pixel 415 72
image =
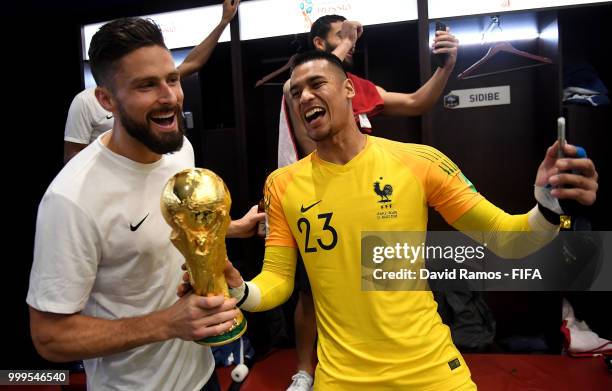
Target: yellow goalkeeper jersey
pixel 370 340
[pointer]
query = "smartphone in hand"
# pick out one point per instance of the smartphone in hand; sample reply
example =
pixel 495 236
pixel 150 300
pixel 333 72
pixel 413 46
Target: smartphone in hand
pixel 560 137
pixel 440 58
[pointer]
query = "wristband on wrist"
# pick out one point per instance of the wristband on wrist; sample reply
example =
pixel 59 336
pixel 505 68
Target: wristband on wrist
pixel 546 200
pixel 244 296
pixel 237 292
pixel 240 293
pixel 549 215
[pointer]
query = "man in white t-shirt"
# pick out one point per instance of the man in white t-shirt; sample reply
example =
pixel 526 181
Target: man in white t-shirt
pixel 87 119
pixel 104 277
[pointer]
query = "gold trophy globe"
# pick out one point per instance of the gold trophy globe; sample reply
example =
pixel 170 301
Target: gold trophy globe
pixel 196 203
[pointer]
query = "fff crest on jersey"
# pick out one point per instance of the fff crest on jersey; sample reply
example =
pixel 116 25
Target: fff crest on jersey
pixel 384 191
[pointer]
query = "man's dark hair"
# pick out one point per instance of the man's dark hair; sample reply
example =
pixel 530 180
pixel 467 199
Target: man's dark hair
pixel 117 39
pixel 321 27
pixel 313 55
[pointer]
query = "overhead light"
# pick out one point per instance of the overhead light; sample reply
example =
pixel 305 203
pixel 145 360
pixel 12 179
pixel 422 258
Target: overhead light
pixel 510 34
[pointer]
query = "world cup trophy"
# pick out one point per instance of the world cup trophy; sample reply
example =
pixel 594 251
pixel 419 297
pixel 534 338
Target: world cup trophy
pixel 196 203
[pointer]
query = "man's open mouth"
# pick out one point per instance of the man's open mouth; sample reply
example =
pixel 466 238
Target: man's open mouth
pixel 313 114
pixel 163 119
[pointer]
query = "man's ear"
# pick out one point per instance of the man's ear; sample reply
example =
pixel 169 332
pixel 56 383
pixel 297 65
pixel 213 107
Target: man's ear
pixel 319 43
pixel 105 98
pixel 286 88
pixel 350 88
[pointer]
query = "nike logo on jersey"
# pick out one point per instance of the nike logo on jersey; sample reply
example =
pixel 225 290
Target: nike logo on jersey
pixel 109 116
pixel 304 210
pixel 135 227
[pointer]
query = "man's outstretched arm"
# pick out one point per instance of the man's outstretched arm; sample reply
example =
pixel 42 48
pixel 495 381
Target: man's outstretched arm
pixel 516 236
pixel 270 288
pixel 200 54
pixel 420 101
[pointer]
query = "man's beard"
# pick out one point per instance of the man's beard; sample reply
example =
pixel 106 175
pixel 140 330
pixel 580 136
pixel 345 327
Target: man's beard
pixel 160 144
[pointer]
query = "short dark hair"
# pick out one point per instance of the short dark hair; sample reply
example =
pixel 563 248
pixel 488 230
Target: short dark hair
pixel 118 38
pixel 313 55
pixel 320 27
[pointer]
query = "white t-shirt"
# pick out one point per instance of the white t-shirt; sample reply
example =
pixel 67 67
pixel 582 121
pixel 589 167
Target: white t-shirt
pixel 103 249
pixel 86 118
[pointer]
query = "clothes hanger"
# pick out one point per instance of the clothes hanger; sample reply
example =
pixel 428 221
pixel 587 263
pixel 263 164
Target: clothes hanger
pixel 499 47
pixel 502 47
pixel 285 67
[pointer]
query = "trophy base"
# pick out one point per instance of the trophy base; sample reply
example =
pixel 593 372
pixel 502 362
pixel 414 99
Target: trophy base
pixel 227 337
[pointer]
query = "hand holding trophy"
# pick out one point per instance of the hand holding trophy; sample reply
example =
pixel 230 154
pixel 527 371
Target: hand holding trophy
pixel 195 203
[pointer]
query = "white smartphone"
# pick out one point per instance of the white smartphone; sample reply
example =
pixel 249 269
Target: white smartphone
pixel 560 136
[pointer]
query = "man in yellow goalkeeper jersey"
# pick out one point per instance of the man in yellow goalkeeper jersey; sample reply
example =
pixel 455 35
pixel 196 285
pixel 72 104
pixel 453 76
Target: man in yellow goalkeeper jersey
pixel 377 340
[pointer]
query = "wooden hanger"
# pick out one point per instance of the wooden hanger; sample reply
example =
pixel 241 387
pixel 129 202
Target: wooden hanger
pixel 502 47
pixel 277 72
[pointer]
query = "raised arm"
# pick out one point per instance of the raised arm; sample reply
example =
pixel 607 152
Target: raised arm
pixel 200 54
pixel 515 236
pixel 420 101
pixel 349 34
